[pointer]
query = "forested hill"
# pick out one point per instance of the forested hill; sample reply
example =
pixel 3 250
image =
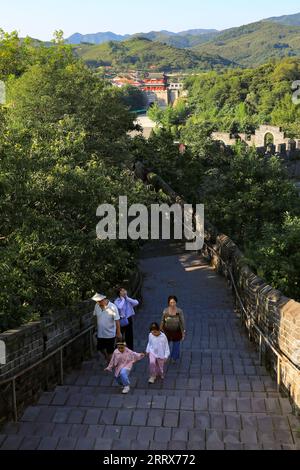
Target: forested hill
pixel 143 53
pixel 254 44
pixel 290 20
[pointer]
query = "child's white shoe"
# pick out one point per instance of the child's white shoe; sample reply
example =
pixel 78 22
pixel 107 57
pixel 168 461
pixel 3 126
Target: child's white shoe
pixel 152 380
pixel 126 390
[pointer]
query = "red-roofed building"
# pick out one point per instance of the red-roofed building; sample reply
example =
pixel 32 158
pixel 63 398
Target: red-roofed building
pixel 155 82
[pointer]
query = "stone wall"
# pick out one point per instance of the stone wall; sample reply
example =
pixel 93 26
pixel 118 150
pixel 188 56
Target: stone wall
pixel 31 343
pixel 282 144
pixel 224 137
pixel 159 97
pixel 27 345
pixel 260 134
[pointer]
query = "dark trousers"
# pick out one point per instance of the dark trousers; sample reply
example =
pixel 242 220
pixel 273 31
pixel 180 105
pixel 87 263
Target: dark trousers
pixel 127 333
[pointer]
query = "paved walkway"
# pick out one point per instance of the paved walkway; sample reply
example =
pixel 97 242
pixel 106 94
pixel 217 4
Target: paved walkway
pixel 217 397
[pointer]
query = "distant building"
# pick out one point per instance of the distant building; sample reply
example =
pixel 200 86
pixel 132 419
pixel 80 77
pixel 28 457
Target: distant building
pixel 155 82
pixel 176 86
pixel 156 86
pixel 124 81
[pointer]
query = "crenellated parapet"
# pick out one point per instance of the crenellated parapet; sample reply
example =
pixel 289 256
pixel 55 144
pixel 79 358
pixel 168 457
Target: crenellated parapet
pixel 265 136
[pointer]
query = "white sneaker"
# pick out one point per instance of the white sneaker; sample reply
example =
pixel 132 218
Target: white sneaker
pixel 152 380
pixel 126 390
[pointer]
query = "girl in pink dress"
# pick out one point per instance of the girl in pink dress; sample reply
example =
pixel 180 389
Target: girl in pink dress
pixel 122 362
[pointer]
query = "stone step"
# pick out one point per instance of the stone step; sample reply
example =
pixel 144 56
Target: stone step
pixel 199 363
pixel 124 437
pixel 250 373
pixel 72 443
pixel 178 383
pixel 98 407
pixel 217 397
pixel 72 396
pixel 190 366
pixel 199 359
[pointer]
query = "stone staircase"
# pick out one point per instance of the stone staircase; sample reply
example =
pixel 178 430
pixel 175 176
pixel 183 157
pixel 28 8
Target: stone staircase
pixel 217 397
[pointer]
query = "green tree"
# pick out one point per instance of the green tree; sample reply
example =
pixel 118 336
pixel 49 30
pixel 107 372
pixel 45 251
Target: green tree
pixel 49 255
pixel 15 55
pixel 277 255
pixel 243 189
pixel 47 93
pixel 133 98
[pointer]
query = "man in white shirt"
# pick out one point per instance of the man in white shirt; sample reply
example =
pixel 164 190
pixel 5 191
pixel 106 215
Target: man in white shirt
pixel 108 325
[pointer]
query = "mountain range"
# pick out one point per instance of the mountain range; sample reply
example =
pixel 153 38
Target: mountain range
pixel 245 46
pixel 161 36
pixel 183 39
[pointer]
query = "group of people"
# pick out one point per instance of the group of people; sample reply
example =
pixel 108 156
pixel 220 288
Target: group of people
pixel 115 339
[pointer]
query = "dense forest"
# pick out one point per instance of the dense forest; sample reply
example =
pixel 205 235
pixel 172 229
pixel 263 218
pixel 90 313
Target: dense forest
pixel 241 100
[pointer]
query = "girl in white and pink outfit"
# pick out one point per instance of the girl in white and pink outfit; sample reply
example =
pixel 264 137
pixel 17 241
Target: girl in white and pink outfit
pixel 158 351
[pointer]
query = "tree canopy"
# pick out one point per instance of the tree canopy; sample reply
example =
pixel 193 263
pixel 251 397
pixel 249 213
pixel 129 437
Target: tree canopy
pixel 64 150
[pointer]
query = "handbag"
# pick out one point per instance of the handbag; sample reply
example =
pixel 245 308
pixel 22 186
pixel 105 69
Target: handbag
pixel 172 328
pixel 174 335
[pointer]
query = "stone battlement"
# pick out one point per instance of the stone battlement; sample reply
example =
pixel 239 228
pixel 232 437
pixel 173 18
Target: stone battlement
pixel 264 136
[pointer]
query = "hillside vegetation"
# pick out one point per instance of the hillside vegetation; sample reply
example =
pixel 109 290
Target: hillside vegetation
pixel 241 100
pixel 290 20
pixel 141 53
pixel 254 44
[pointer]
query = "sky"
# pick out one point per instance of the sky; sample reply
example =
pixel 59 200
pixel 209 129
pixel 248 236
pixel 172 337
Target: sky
pixel 40 18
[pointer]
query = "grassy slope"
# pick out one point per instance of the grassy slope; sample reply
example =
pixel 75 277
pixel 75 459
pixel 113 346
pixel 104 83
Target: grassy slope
pixel 254 44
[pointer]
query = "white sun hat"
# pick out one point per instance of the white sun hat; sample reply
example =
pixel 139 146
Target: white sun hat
pixel 99 297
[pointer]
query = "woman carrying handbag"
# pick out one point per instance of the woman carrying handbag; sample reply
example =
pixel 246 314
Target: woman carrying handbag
pixel 173 325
